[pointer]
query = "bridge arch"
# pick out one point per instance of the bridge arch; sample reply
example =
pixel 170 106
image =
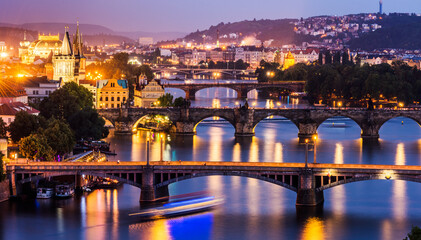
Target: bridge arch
pixel 269 115
pixel 402 122
pixel 223 116
pixel 293 187
pixel 35 178
pixel 367 178
pixel 336 122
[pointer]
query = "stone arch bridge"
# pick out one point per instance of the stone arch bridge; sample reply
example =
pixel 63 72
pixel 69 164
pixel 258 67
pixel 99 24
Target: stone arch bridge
pixel 245 120
pixel 153 180
pixel 241 88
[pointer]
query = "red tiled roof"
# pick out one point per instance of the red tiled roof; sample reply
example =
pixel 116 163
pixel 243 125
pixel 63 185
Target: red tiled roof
pixel 15 107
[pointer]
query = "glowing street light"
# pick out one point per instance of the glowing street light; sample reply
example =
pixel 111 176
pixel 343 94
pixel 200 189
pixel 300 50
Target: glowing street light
pixel 401 104
pixel 314 142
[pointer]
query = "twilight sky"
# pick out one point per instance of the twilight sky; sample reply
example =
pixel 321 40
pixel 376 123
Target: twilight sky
pixel 183 15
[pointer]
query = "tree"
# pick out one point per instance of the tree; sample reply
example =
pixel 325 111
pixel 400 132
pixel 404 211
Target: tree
pixel 165 100
pixel 59 136
pixel 2 174
pixel 328 57
pixel 181 102
pixel 25 124
pixel 35 147
pixel 415 234
pixel 3 129
pixel 65 101
pixel 87 124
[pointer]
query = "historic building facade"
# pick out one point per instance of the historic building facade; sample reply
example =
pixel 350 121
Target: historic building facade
pixel 113 94
pixel 148 95
pixel 41 48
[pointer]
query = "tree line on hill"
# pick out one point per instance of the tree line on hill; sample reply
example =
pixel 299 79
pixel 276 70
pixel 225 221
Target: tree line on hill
pixel 353 83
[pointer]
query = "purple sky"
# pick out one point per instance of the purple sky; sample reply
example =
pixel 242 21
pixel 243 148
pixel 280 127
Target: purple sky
pixel 183 15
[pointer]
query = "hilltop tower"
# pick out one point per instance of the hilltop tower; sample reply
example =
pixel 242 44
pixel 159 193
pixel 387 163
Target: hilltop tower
pixel 381 7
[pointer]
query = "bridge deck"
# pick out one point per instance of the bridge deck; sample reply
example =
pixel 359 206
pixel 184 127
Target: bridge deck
pixel 188 164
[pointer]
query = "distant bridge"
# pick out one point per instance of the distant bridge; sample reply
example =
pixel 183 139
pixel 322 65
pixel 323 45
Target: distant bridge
pixel 215 73
pixel 241 88
pixel 153 180
pixel 245 120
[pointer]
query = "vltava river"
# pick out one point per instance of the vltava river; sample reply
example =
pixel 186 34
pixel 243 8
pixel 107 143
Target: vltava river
pixel 377 209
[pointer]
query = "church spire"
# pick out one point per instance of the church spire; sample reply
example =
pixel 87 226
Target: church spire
pixel 77 42
pixel 66 48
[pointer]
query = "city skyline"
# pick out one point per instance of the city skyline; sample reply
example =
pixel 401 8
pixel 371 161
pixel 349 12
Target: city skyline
pixel 182 16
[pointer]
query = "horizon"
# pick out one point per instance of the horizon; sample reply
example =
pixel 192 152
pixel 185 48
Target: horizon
pixel 169 16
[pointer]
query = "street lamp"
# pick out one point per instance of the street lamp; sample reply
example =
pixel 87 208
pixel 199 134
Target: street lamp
pixel 162 147
pixel 339 104
pixel 147 148
pixel 314 148
pixel 306 166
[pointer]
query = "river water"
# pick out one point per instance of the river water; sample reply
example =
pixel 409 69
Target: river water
pixel 377 209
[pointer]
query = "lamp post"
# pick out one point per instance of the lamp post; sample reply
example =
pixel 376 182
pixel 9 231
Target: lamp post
pixel 147 149
pixel 306 166
pixel 162 147
pixel 314 142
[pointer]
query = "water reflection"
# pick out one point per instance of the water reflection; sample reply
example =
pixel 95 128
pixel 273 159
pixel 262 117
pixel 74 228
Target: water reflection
pixel 339 153
pixel 314 229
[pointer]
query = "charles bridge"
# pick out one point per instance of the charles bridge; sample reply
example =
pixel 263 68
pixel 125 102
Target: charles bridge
pixel 241 89
pixel 308 181
pixel 244 120
pixel 161 72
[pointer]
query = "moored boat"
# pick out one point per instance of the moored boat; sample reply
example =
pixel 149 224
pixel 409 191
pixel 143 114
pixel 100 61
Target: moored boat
pixel 64 191
pixel 43 192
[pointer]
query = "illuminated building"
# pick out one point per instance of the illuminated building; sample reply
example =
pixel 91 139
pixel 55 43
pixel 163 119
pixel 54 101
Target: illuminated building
pixel 113 94
pixel 9 110
pixel 148 95
pixel 69 63
pixel 289 61
pixel 41 48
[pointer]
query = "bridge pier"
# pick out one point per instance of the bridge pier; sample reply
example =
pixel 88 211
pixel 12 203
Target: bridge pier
pixel 122 128
pixel 148 193
pixel 307 195
pixel 12 182
pixel 242 94
pixel 190 94
pixel 370 132
pixel 184 128
pixel 306 131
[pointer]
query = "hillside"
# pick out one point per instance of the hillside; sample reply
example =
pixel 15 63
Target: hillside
pixel 401 32
pixel 280 31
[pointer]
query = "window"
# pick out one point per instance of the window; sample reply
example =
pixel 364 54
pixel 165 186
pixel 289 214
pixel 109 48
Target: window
pixel 100 99
pixel 106 98
pixel 118 105
pixel 112 99
pixel 112 105
pixel 48 92
pixel 124 99
pixel 106 105
pixel 112 84
pixel 118 99
pixel 35 92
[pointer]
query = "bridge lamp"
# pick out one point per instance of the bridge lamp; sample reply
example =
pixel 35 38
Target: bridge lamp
pixel 339 104
pixel 388 175
pixel 401 104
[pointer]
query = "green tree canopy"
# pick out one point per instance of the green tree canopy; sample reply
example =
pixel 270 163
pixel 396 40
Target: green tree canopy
pixel 3 129
pixel 65 101
pixel 59 136
pixel 165 100
pixel 25 124
pixel 35 147
pixel 415 234
pixel 87 124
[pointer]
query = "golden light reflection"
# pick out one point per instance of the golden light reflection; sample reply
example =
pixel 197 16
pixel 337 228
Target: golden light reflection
pixel 314 229
pixel 386 230
pixel 95 215
pixel 236 153
pixel 279 155
pixel 399 200
pixel 400 154
pixel 138 148
pixel 157 229
pixel 215 144
pixel 339 154
pixel 254 150
pixel 338 200
pixel 253 199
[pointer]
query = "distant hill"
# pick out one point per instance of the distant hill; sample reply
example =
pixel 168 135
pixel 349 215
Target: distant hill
pixel 281 31
pixel 93 34
pixel 398 31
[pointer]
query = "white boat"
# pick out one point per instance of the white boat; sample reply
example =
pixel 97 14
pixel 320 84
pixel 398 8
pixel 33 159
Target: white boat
pixel 65 191
pixel 43 193
pixel 179 208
